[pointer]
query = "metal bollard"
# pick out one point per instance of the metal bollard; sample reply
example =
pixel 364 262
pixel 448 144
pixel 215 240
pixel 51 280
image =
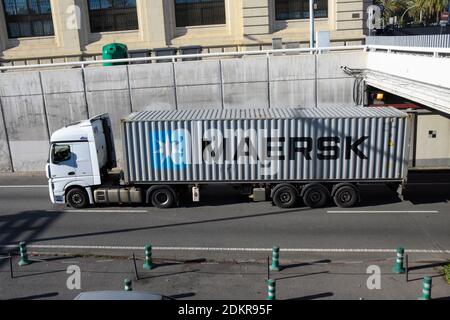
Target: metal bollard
pixel 23 254
pixel 275 259
pixel 128 285
pixel 426 288
pixel 272 286
pixel 148 264
pixel 398 267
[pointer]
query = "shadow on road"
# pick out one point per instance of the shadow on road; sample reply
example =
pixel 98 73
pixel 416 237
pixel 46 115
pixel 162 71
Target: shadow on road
pixel 426 266
pixel 313 297
pixel 305 264
pixel 172 225
pixel 24 226
pixel 182 295
pixel 302 275
pixel 38 296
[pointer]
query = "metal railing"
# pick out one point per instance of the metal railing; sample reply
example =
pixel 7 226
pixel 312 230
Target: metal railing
pixel 436 52
pixel 431 41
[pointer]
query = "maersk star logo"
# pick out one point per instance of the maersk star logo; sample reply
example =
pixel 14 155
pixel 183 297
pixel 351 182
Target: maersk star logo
pixel 168 150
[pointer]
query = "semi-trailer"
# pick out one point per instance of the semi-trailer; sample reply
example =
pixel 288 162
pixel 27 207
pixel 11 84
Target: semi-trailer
pixel 283 155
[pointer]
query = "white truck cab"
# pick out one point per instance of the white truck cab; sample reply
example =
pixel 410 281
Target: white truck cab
pixel 79 155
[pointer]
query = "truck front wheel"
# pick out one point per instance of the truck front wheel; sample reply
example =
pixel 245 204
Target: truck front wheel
pixel 77 198
pixel 163 198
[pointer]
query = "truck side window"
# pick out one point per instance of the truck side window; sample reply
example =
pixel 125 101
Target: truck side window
pixel 61 153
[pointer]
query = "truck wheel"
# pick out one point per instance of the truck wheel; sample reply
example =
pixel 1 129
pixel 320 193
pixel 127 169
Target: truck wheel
pixel 316 196
pixel 285 197
pixel 346 197
pixel 163 198
pixel 77 198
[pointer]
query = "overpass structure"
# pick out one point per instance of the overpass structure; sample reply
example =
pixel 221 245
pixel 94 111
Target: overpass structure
pixel 35 100
pixel 421 75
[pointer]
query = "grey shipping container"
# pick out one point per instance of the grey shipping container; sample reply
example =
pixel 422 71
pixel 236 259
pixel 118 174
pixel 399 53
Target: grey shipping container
pixel 265 145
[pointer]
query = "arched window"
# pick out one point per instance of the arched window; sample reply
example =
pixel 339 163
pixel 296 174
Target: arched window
pixel 299 9
pixel 28 18
pixel 112 15
pixel 199 12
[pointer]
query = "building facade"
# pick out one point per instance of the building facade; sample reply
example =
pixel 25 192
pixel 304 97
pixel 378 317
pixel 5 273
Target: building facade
pixel 39 31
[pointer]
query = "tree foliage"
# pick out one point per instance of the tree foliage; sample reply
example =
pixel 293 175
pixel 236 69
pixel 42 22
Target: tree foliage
pixel 413 10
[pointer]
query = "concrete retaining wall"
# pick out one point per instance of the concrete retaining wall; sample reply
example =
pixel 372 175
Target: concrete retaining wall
pixel 35 104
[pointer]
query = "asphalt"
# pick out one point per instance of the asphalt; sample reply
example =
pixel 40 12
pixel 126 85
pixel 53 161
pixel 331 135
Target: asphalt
pixel 229 232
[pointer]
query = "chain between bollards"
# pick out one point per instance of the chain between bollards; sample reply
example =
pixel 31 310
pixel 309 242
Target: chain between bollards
pixel 398 267
pixel 426 288
pixel 271 289
pixel 275 259
pixel 148 264
pixel 23 254
pixel 136 274
pixel 11 273
pixel 407 268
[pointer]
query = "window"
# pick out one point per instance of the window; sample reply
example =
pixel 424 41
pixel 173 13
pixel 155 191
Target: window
pixel 112 15
pixel 28 18
pixel 199 12
pixel 61 153
pixel 299 9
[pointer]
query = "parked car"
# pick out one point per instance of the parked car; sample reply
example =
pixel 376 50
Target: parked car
pixel 120 295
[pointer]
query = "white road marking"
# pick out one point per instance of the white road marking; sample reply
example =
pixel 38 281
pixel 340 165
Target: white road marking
pixel 97 211
pixel 23 187
pixel 213 249
pixel 386 211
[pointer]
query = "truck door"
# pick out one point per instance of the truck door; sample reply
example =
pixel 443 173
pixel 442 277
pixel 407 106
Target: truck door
pixel 71 160
pixel 63 162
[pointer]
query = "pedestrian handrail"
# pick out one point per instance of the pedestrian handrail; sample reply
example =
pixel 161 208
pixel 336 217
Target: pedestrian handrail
pixel 429 50
pixel 175 58
pixel 427 40
pixel 436 52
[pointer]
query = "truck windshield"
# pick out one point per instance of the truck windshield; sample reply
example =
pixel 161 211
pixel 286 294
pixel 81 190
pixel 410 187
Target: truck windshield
pixel 60 153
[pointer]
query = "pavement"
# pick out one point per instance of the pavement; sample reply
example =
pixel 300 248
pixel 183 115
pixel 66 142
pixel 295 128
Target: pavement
pixel 336 278
pixel 220 246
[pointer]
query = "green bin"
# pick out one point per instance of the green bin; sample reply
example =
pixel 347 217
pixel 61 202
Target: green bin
pixel 114 51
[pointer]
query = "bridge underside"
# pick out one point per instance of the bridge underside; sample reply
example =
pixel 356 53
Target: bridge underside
pixel 431 96
pixel 421 78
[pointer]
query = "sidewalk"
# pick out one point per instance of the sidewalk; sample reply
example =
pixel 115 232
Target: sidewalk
pixel 334 278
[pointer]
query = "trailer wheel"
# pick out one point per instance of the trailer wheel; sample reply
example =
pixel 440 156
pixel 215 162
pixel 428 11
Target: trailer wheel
pixel 346 196
pixel 285 197
pixel 316 196
pixel 163 198
pixel 77 198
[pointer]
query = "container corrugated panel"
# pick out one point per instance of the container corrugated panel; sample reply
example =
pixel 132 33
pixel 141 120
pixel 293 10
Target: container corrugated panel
pixel 265 145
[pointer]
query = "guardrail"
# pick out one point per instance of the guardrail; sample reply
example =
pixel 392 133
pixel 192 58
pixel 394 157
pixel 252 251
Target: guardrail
pixel 429 40
pixel 436 52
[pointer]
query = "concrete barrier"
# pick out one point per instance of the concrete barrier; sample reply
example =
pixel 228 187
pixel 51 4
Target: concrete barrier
pixel 65 98
pixel 25 120
pixel 34 104
pixel 152 86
